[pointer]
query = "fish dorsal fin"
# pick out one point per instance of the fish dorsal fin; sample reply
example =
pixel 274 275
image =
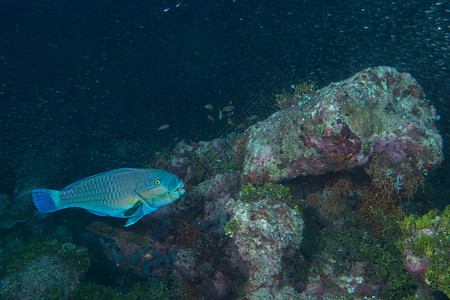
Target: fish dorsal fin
pixel 116 171
pixel 131 211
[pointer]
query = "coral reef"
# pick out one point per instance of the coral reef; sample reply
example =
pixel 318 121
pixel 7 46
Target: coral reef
pixel 44 276
pixel 334 205
pixel 335 198
pixel 181 251
pixel 378 111
pixel 269 232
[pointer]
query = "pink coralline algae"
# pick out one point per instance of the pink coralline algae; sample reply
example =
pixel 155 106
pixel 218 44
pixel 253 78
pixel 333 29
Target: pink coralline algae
pixel 415 265
pixel 269 232
pixel 377 112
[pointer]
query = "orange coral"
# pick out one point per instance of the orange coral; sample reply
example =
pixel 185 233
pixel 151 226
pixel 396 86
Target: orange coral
pixel 258 179
pixel 390 186
pixel 188 232
pixel 334 199
pixel 378 210
pixel 394 181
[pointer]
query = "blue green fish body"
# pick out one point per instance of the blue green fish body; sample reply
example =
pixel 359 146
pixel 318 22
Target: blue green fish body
pixel 121 193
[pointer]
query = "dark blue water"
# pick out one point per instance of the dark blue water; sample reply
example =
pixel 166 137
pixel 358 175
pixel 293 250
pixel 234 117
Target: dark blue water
pixel 92 80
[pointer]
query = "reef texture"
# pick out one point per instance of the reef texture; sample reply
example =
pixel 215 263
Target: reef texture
pixel 269 232
pixel 378 111
pixel 41 277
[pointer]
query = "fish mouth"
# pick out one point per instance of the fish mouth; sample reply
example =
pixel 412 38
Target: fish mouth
pixel 179 191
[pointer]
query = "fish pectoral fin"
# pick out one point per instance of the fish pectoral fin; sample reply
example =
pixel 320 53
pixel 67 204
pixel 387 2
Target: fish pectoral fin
pixel 149 203
pixel 132 220
pixel 131 211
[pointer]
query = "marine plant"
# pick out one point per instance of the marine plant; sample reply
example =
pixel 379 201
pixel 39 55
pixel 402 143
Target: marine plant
pixel 429 237
pixel 278 192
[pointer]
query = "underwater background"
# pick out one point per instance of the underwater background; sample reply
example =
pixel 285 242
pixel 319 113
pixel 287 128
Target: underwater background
pixel 90 86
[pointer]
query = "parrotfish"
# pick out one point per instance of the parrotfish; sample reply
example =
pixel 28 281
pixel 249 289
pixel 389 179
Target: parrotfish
pixel 121 193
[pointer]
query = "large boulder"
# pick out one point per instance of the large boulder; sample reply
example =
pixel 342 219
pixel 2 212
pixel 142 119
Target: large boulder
pixel 377 112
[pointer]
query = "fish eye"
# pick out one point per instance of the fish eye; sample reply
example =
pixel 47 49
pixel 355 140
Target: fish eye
pixel 157 182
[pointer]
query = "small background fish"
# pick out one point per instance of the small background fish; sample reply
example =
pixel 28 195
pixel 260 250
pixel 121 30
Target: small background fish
pixel 121 193
pixel 162 127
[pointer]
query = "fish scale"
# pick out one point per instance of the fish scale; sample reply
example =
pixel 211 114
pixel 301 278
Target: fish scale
pixel 98 189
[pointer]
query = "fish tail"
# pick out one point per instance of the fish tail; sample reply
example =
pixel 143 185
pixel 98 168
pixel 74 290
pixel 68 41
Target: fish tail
pixel 45 200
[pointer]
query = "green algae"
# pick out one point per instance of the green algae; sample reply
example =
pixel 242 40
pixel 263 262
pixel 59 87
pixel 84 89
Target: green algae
pixel 231 227
pixel 437 275
pixel 429 220
pixel 278 192
pixel 429 236
pixel 321 130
